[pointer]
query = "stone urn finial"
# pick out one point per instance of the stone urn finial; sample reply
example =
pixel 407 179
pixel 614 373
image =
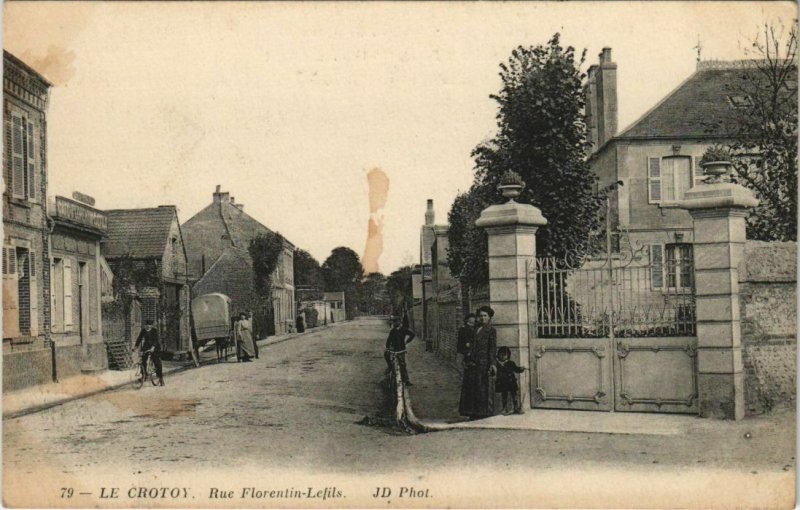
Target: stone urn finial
pixel 511 185
pixel 716 163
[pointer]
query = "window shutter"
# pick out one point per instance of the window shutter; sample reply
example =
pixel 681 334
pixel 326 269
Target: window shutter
pixel 18 154
pixel 67 293
pixel 653 180
pixel 31 163
pixel 12 260
pixel 5 260
pixel 8 174
pixel 699 176
pixel 656 266
pixel 34 294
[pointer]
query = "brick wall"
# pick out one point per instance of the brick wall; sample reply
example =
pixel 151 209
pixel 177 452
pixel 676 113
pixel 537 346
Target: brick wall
pixel 768 309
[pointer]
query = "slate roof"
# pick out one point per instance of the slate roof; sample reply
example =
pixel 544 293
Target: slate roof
pixel 138 233
pixel 698 108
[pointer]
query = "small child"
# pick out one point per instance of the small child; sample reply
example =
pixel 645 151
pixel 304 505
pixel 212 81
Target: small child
pixel 506 381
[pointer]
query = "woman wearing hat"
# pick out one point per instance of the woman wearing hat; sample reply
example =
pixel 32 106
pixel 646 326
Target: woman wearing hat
pixel 480 366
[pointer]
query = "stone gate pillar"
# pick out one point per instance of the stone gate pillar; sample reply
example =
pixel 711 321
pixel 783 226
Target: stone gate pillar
pixel 512 244
pixel 719 210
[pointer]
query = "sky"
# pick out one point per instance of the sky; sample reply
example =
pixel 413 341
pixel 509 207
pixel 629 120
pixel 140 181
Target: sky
pixel 288 106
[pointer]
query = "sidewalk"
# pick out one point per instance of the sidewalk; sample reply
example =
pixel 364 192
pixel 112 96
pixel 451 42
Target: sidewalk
pixel 437 385
pixel 38 398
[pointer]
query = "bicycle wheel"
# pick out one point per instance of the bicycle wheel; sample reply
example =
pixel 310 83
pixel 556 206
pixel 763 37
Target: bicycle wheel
pixel 138 380
pixel 151 371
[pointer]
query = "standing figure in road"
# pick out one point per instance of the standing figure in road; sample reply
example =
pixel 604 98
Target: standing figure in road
pixel 150 346
pixel 477 389
pixel 466 337
pixel 396 346
pixel 244 334
pixel 506 382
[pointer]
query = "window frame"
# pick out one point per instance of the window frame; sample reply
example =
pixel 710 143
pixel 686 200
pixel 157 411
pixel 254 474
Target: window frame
pixel 695 173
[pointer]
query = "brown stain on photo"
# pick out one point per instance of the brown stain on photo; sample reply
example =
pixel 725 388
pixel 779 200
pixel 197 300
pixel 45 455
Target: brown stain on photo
pixel 378 194
pixel 56 65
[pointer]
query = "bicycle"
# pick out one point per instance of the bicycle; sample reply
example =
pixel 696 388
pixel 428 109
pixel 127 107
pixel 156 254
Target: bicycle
pixel 138 378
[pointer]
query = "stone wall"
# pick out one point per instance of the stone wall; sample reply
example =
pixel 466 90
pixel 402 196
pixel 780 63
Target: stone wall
pixel 768 309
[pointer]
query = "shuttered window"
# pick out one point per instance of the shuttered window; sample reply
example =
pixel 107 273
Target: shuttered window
pixel 654 180
pixel 669 178
pixel 67 294
pixel 11 313
pixel 18 177
pixel 699 176
pixel 656 266
pixel 7 172
pixel 57 293
pixel 31 162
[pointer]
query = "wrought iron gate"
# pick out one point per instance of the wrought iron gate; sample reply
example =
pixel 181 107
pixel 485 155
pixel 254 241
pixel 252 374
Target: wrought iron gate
pixel 615 332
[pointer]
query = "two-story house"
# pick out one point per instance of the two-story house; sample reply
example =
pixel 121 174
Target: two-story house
pixel 145 248
pixel 217 240
pixel 27 357
pixel 657 157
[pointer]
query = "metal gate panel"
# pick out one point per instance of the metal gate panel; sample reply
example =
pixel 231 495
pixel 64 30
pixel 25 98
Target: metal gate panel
pixel 572 373
pixel 614 332
pixel 656 374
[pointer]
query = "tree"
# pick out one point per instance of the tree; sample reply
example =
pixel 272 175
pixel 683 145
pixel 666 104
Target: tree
pixel 308 275
pixel 400 289
pixel 265 251
pixel 373 296
pixel 468 256
pixel 764 152
pixel 342 272
pixel 541 135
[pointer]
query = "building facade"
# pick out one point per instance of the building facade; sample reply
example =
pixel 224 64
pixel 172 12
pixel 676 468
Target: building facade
pixel 27 357
pixel 146 248
pixel 657 158
pixel 217 240
pixel 76 274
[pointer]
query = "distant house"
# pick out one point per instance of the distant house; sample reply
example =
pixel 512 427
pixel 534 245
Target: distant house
pixel 217 240
pixel 658 157
pixel 145 246
pixel 26 258
pixel 334 306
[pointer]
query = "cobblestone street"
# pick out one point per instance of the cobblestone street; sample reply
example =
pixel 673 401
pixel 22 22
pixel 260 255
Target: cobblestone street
pixel 296 410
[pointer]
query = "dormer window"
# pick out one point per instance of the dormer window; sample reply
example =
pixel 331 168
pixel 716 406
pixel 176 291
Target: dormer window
pixel 740 101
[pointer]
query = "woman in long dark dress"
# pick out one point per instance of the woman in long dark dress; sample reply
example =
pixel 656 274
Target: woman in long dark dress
pixel 477 389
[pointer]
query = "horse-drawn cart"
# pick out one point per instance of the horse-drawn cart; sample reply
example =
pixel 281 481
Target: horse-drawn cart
pixel 212 322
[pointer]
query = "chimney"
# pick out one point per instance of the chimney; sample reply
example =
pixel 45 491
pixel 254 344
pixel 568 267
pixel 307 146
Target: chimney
pixel 429 214
pixel 221 196
pixel 606 98
pixel 590 99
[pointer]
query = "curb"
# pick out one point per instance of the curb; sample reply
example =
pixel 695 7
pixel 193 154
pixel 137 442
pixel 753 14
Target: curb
pixel 43 407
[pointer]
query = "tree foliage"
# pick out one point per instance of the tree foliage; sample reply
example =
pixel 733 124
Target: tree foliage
pixel 308 275
pixel 541 135
pixel 265 251
pixel 400 289
pixel 373 297
pixel 342 272
pixel 765 151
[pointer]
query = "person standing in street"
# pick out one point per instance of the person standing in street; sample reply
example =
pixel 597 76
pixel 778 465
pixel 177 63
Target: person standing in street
pixel 244 332
pixel 477 389
pixel 396 342
pixel 150 346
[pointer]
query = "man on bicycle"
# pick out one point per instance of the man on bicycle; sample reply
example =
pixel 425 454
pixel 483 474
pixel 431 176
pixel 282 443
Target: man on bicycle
pixel 150 347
